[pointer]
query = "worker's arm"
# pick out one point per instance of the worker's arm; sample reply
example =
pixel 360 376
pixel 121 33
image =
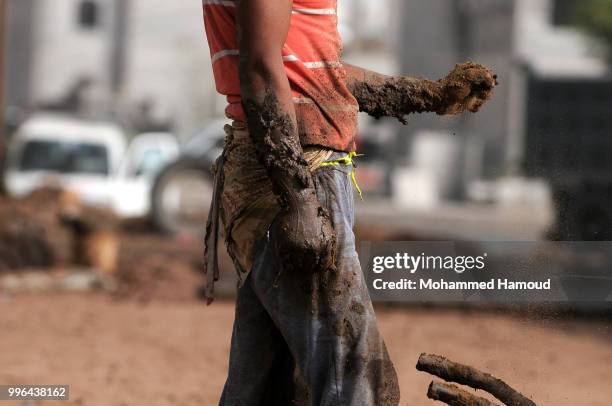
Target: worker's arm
pixel 466 88
pixel 305 234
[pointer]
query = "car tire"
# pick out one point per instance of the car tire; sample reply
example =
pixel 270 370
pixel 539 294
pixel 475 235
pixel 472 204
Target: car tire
pixel 169 212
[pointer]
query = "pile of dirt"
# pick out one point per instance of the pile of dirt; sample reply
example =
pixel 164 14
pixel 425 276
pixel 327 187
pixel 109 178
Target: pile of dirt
pixel 50 230
pixel 31 233
pixel 159 278
pixel 159 267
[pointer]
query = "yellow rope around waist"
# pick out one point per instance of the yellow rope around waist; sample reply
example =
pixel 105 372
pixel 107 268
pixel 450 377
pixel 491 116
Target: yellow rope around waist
pixel 346 161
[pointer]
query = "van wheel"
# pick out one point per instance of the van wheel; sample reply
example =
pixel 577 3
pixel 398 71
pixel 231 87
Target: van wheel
pixel 181 197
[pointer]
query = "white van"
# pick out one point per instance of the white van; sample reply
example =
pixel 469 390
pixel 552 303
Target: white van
pixel 50 150
pixel 88 158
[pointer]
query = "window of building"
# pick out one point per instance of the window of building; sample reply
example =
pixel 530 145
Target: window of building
pixel 564 12
pixel 88 14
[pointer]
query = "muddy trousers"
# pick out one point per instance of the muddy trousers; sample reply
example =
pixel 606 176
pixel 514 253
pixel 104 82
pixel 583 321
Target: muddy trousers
pixel 310 339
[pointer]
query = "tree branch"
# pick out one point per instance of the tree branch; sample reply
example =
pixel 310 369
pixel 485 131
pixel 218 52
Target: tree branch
pixel 466 375
pixel 454 396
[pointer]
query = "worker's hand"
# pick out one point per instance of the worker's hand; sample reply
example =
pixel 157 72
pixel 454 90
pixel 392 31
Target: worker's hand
pixel 303 237
pixel 467 87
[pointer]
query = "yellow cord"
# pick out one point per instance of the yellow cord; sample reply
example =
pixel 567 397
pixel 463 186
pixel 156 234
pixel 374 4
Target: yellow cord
pixel 347 160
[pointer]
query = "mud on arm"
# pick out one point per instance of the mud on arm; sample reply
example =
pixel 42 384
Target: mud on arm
pixel 466 88
pixel 305 235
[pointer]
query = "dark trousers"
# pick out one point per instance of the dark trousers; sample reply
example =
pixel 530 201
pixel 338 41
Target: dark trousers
pixel 310 339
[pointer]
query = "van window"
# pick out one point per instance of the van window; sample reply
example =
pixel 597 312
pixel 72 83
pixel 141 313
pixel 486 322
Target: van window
pixel 64 157
pixel 148 164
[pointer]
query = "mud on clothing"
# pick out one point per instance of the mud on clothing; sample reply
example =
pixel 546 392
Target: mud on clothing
pixel 325 108
pixel 299 338
pixel 247 203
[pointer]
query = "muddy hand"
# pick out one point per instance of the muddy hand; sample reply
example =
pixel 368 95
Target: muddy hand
pixel 467 87
pixel 303 237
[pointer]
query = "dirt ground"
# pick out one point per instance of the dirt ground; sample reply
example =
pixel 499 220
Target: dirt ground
pixel 126 352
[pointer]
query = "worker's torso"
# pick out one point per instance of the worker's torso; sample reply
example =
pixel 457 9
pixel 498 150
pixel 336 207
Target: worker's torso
pixel 326 110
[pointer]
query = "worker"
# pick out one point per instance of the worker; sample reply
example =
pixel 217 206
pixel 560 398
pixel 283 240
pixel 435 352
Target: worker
pixel 305 331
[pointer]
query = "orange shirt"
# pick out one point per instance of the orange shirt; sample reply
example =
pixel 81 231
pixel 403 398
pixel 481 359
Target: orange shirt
pixel 326 110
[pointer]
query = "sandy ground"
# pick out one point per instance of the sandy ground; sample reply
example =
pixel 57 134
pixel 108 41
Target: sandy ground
pixel 118 352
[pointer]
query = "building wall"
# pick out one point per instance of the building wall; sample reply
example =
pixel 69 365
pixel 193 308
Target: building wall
pixel 162 58
pixel 436 35
pixel 65 52
pixel 554 50
pixel 370 21
pixel 18 58
pixel 169 62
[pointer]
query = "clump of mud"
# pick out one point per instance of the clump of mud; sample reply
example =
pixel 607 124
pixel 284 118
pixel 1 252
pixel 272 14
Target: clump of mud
pixel 466 88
